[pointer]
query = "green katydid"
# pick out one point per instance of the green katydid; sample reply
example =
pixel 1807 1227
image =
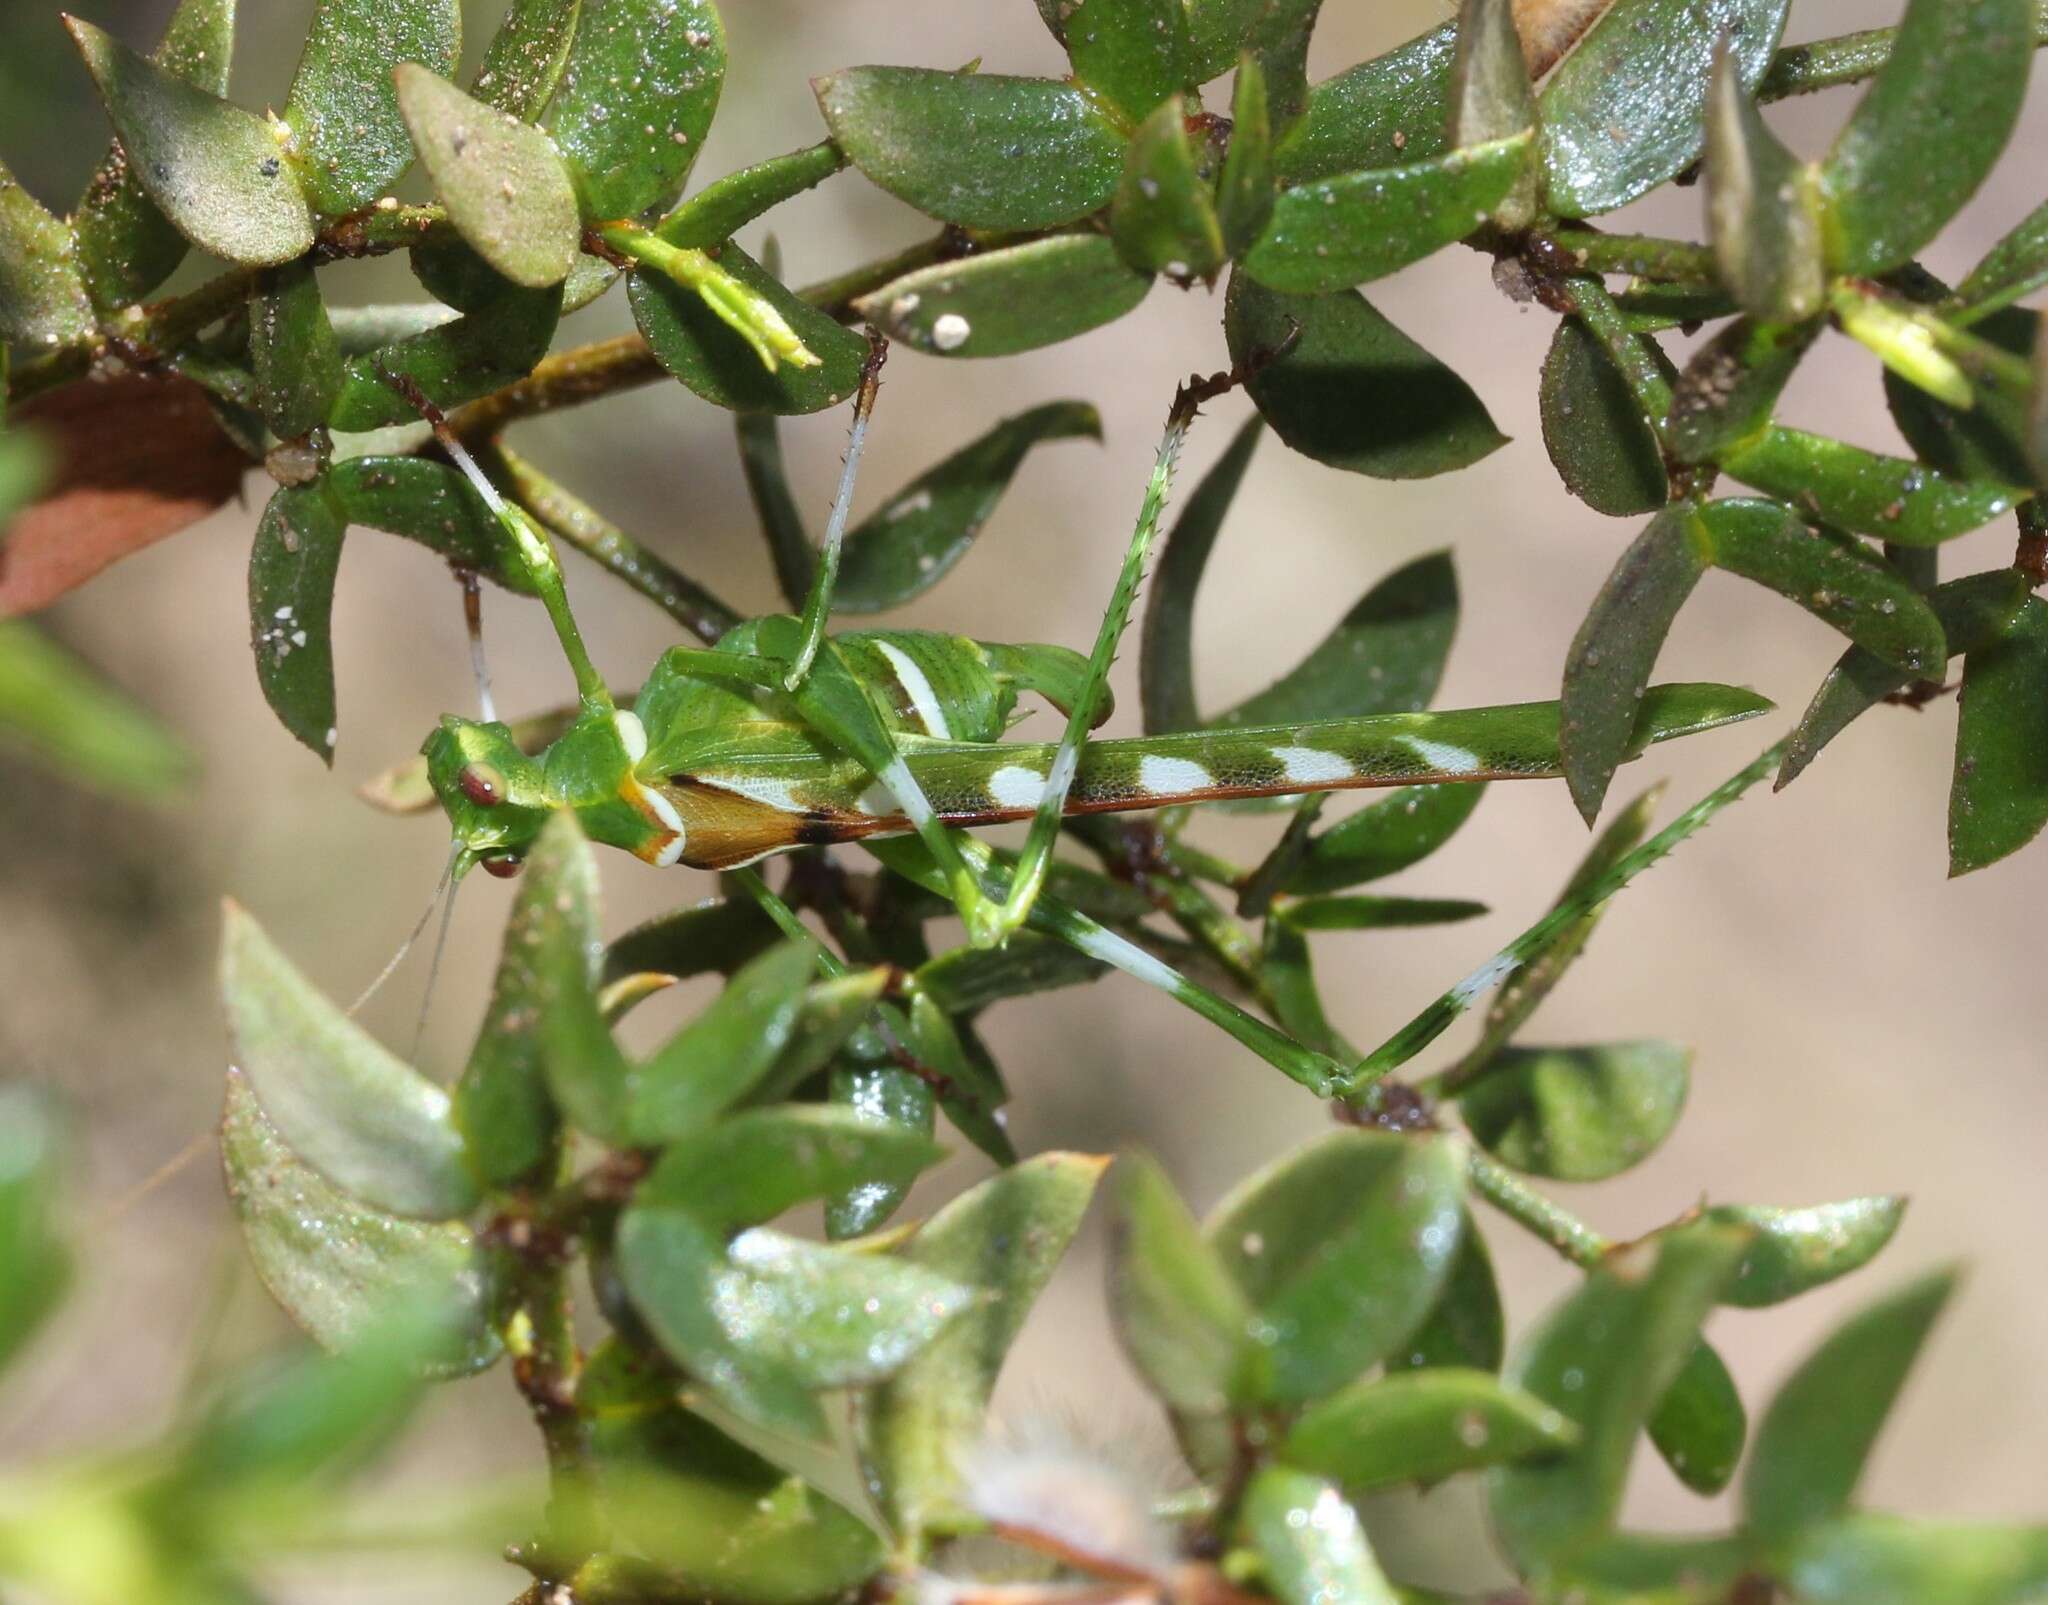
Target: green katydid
pixel 783 736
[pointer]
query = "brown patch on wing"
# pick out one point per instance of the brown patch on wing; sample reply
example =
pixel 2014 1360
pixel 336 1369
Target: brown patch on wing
pixel 724 829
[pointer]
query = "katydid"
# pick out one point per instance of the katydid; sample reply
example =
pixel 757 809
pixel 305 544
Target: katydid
pixel 783 736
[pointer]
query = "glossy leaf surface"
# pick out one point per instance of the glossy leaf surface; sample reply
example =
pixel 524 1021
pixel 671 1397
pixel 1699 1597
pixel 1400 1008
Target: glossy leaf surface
pixel 1386 836
pixel 1245 190
pixel 1015 298
pixel 1467 1328
pixel 42 293
pixel 1601 445
pixel 1421 1426
pixel 1391 109
pixel 348 138
pixel 1795 1250
pixel 291 599
pixel 1863 491
pixel 1163 217
pixel 1132 53
pixel 497 342
pixel 1999 800
pixel 1182 1318
pixel 1578 1114
pixel 1699 1425
pixel 1312 1545
pixel 292 352
pixel 1762 214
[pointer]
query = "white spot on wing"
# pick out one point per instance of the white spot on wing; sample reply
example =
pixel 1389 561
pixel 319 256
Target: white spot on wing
pixel 1162 776
pixel 1442 756
pixel 1310 766
pixel 1014 786
pixel 632 735
pixel 923 700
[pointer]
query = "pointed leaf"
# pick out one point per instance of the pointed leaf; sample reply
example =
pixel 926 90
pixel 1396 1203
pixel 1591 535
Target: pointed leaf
pixel 888 1095
pixel 1279 43
pixel 336 1266
pixel 1819 1430
pixel 217 171
pixel 291 598
pixel 1355 227
pixel 1421 1426
pixel 1699 1424
pixel 1217 31
pixel 713 359
pixel 1795 1250
pixel 495 343
pixel 636 101
pixel 292 352
pixel 715 1060
pixel 693 941
pixel 978 149
pixel 911 542
pixel 1004 1238
pixel 428 502
pixel 967 980
pixel 1627 109
pixel 1312 1546
pixel 1016 298
pixel 1927 131
pixel 1343 1247
pixel 526 57
pixel 1132 53
pixel 1611 657
pixel 1578 1114
pixel 1377 913
pixel 1182 1319
pixel 1246 188
pixel 1763 214
pixel 510 1126
pixel 1999 801
pixel 970 1087
pixel 1394 108
pixel 126 246
pixel 1492 98
pixel 42 293
pixel 35 1263
pixel 1163 218
pixel 506 190
pixel 1166 663
pixel 1832 579
pixel 1859 490
pixel 2016 266
pixel 1467 1328
pixel 348 139
pixel 1881 1560
pixel 1354 391
pixel 1601 445
pixel 1731 384
pixel 1986 442
pixel 370 1123
pixel 722 209
pixel 1604 1358
pixel 1402 828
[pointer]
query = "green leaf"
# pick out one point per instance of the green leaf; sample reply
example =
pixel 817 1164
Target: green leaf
pixel 967 979
pixel 370 1123
pixel 496 342
pixel 1003 1237
pixel 2016 266
pixel 1402 828
pixel 1394 108
pixel 636 101
pixel 1927 131
pixel 890 1095
pixel 1246 188
pixel 1182 1319
pixel 1763 212
pixel 428 502
pixel 722 209
pixel 1377 913
pixel 526 57
pixel 1343 1247
pixel 1017 298
pixel 715 1060
pixel 704 351
pixel 1627 109
pixel 970 1087
pixel 1467 1328
pixel 1289 974
pixel 510 1127
pixel 1354 391
pixel 717 936
pixel 1973 612
pixel 1986 442
pixel 291 598
pixel 43 302
pixel 1839 583
pixel 1313 1547
pixel 35 1263
pixel 1699 1424
pixel 217 171
pixel 1999 801
pixel 338 1267
pixel 753 1165
pixel 1604 1358
pixel 1685 1570
pixel 978 149
pixel 1131 53
pixel 1331 233
pixel 1385 656
pixel 1881 1560
pixel 1217 31
pixel 1492 98
pixel 1166 660
pixel 829 1014
pixel 1278 41
pixel 66 716
pixel 1421 1426
pixel 348 140
pixel 1601 445
pixel 292 352
pixel 1819 1430
pixel 1731 384
pixel 506 190
pixel 1578 1114
pixel 1795 1250
pixel 911 542
pixel 1854 489
pixel 1616 647
pixel 126 246
pixel 1163 217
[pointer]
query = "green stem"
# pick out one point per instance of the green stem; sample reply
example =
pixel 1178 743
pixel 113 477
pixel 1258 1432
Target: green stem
pixel 1647 256
pixel 569 518
pixel 1548 1220
pixel 1848 59
pixel 546 1365
pixel 1633 354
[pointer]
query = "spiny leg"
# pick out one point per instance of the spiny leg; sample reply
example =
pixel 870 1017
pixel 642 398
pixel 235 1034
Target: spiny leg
pixel 818 601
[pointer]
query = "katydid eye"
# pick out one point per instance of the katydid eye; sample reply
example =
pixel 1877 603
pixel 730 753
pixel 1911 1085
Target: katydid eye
pixel 503 865
pixel 481 784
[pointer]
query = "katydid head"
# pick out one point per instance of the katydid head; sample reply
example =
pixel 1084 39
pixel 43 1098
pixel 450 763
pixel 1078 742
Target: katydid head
pixel 495 796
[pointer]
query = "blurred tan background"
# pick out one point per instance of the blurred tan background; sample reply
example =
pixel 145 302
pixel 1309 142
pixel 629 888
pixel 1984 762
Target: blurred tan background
pixel 1861 1024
